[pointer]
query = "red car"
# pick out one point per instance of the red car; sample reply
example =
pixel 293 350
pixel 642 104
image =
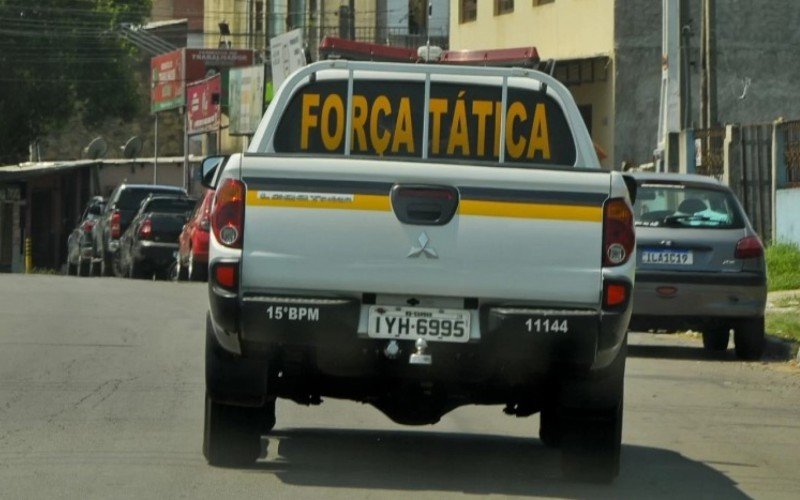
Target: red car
pixel 192 261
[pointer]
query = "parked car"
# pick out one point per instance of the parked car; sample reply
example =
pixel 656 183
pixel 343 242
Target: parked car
pixel 700 264
pixel 79 242
pixel 122 205
pixel 149 244
pixel 192 260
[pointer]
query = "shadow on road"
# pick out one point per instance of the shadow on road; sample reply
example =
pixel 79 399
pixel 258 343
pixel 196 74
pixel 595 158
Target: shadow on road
pixel 474 464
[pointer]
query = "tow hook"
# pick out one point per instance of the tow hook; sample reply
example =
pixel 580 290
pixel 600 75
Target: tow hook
pixel 419 357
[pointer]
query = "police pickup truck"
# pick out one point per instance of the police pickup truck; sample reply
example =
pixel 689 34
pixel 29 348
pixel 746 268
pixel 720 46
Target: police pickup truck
pixel 420 237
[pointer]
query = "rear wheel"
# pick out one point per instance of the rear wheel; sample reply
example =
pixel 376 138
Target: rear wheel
pixel 72 269
pixel 748 339
pixel 196 272
pixel 231 435
pixel 180 269
pixel 84 266
pixel 716 339
pixel 135 270
pixel 105 265
pixel 591 424
pixel 550 427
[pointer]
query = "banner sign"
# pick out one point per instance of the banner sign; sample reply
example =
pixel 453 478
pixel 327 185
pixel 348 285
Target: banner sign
pixel 166 81
pixel 287 55
pixel 203 106
pixel 246 99
pixel 169 73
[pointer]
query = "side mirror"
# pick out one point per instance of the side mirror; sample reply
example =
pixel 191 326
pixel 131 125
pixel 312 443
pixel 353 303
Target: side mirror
pixel 208 170
pixel 630 182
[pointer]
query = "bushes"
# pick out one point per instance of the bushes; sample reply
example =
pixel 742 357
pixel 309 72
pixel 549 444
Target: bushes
pixel 783 266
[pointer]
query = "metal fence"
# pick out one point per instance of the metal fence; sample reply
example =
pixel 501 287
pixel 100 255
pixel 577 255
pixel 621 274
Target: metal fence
pixel 712 151
pixel 791 152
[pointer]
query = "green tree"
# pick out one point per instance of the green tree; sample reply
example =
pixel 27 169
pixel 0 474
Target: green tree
pixel 64 58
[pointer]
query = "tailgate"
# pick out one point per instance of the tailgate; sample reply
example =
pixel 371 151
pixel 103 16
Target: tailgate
pixel 314 225
pixel 167 227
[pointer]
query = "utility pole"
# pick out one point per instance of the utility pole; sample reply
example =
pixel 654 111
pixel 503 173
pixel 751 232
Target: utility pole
pixel 708 81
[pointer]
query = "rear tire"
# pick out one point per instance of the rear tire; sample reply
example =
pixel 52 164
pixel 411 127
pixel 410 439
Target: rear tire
pixel 591 429
pixel 105 266
pixel 84 267
pixel 748 339
pixel 195 272
pixel 550 431
pixel 716 339
pixel 72 269
pixel 232 434
pixel 135 270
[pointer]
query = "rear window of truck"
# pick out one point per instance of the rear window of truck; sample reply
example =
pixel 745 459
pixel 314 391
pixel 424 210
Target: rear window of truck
pixel 465 122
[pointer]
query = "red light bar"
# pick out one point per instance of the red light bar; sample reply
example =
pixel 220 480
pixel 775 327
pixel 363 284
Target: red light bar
pixel 518 56
pixel 332 48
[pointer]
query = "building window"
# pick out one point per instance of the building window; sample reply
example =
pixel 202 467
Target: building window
pixel 468 10
pixel 503 7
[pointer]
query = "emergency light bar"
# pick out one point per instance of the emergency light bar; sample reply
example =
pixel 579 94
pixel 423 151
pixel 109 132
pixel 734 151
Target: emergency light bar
pixel 340 48
pixel 526 57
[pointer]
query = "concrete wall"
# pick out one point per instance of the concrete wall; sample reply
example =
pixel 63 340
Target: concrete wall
pixel 787 222
pixel 759 41
pixel 637 77
pixel 564 29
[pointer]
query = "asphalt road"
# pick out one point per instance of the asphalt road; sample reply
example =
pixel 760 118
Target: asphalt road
pixel 101 396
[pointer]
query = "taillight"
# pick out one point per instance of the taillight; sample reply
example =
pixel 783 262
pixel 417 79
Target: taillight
pixel 146 230
pixel 88 225
pixel 226 274
pixel 615 294
pixel 227 216
pixel 749 248
pixel 618 236
pixel 115 224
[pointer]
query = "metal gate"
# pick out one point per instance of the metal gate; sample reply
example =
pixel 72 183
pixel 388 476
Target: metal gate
pixel 751 177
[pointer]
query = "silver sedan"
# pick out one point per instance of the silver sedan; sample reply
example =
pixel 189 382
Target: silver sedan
pixel 700 264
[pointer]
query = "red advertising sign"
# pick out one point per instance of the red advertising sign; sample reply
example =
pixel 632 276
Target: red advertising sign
pixel 203 105
pixel 166 81
pixel 200 61
pixel 170 71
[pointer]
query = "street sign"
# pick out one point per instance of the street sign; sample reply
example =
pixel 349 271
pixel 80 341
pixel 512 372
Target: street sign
pixel 202 105
pixel 246 103
pixel 287 55
pixel 166 81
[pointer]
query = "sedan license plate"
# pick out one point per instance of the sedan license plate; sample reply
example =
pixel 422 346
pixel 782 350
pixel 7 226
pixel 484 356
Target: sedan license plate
pixel 438 325
pixel 669 257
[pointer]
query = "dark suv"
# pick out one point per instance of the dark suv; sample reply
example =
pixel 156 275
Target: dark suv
pixel 122 206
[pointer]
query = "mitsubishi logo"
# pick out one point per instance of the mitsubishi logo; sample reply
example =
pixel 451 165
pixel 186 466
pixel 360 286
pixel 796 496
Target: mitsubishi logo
pixel 423 248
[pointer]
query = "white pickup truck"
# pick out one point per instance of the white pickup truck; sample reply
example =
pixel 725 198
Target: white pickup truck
pixel 420 237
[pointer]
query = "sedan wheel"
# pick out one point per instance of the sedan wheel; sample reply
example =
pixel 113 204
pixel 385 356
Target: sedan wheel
pixel 716 339
pixel 748 339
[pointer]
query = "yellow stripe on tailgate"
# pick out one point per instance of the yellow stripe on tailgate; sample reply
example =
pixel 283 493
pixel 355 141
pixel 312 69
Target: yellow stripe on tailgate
pixel 380 203
pixel 531 210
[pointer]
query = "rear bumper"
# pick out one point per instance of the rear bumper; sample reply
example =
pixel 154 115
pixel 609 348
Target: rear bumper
pixel 696 299
pixel 330 332
pixel 155 253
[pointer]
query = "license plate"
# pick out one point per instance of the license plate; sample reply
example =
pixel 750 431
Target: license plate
pixel 669 257
pixel 438 325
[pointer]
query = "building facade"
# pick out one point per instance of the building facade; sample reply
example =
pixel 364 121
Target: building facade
pixel 609 54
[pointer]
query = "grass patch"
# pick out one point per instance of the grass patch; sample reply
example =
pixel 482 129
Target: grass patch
pixel 784 324
pixel 783 266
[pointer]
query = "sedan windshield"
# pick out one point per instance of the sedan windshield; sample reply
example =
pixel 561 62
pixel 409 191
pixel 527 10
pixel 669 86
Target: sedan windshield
pixel 682 205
